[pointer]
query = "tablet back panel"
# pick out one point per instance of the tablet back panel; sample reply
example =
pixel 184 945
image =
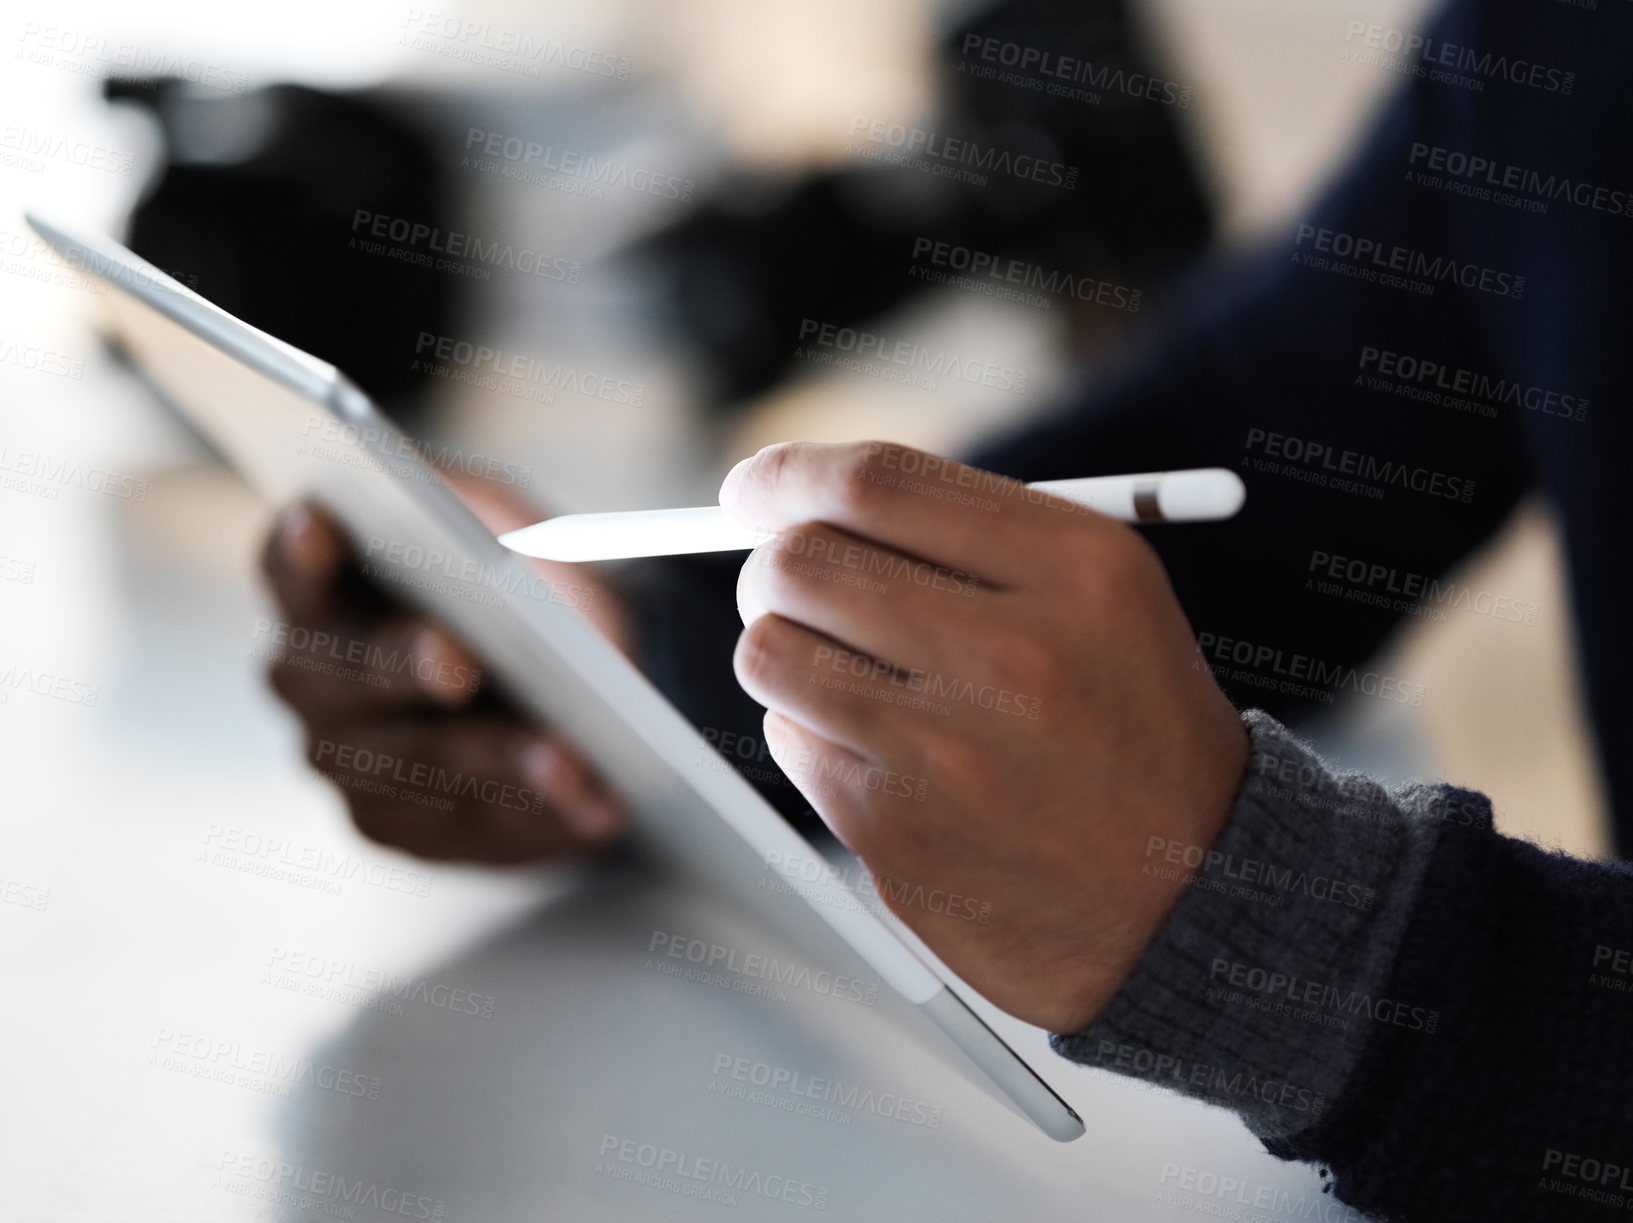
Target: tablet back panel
pixel 296 429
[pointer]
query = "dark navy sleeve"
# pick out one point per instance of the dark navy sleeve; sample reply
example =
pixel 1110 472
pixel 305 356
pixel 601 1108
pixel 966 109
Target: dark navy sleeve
pixel 1519 1106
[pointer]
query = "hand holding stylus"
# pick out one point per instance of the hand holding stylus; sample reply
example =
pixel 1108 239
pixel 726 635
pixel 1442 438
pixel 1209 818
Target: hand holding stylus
pixel 1205 495
pixel 1021 659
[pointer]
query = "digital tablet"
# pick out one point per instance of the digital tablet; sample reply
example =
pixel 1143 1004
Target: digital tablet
pixel 295 428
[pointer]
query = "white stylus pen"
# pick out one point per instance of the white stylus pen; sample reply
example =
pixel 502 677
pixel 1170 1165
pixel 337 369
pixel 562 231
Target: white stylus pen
pixel 1204 495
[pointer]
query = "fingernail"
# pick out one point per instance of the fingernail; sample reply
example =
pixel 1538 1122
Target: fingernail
pixel 732 486
pixel 593 819
pixel 438 667
pixel 293 524
pixel 305 546
pixel 544 768
pixel 591 816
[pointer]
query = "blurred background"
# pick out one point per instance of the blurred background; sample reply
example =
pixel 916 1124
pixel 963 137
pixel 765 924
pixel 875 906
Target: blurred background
pixel 694 182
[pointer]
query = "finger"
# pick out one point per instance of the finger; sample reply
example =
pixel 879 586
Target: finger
pixel 873 599
pixel 842 696
pixel 313 573
pixel 334 675
pixel 572 788
pixel 479 761
pixel 927 507
pixel 478 789
pixel 883 818
pixel 819 769
pixel 878 812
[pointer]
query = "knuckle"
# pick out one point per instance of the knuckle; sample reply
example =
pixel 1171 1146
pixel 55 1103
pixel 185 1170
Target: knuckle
pixel 1121 562
pixel 769 467
pixel 284 680
pixel 945 763
pixel 374 821
pixel 860 487
pixel 1022 662
pixel 775 461
pixel 760 583
pixel 758 656
pixel 798 554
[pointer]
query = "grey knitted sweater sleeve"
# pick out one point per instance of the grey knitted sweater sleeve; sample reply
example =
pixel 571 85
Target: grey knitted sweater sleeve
pixel 1268 977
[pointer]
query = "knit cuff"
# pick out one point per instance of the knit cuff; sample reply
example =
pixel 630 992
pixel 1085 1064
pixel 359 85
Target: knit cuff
pixel 1265 982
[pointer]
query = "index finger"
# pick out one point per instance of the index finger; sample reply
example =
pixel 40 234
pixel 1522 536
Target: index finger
pixel 302 560
pixel 936 509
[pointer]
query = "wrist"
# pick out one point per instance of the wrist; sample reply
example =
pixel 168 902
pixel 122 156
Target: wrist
pixel 1308 887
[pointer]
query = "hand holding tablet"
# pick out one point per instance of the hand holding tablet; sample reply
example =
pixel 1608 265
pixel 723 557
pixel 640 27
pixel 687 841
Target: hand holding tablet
pixel 259 400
